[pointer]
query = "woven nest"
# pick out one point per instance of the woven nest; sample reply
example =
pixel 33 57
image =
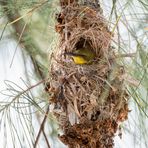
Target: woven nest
pixel 89 100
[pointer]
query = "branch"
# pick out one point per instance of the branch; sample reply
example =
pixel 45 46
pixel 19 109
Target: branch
pixel 41 128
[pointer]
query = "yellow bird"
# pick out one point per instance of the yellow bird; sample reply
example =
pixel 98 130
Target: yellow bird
pixel 82 56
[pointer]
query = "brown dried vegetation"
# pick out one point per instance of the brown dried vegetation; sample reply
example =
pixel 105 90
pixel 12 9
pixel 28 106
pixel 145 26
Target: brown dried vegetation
pixel 89 100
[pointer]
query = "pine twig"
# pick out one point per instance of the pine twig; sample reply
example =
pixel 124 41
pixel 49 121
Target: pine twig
pixel 41 128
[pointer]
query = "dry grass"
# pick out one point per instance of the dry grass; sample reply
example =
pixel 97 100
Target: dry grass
pixel 90 100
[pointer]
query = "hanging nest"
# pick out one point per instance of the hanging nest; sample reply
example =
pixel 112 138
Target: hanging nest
pixel 89 100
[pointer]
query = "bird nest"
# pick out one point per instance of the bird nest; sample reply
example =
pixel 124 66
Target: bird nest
pixel 89 100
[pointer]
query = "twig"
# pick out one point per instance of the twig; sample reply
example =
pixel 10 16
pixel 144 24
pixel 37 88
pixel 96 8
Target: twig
pixel 22 92
pixel 41 128
pixel 19 39
pixel 125 55
pixel 47 142
pixel 3 31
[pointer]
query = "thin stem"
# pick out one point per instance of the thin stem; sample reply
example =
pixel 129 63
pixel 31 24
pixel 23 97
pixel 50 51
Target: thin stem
pixel 41 128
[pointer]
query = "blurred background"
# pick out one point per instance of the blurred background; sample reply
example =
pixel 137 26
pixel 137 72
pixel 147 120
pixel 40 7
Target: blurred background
pixel 27 37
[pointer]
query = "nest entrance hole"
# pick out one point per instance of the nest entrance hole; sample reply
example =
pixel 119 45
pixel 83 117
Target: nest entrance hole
pixel 83 43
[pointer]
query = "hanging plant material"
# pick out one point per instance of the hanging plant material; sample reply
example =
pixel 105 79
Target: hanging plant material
pixel 85 80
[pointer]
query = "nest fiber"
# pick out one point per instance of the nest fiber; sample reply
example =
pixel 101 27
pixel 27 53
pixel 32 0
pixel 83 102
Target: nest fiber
pixel 89 100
